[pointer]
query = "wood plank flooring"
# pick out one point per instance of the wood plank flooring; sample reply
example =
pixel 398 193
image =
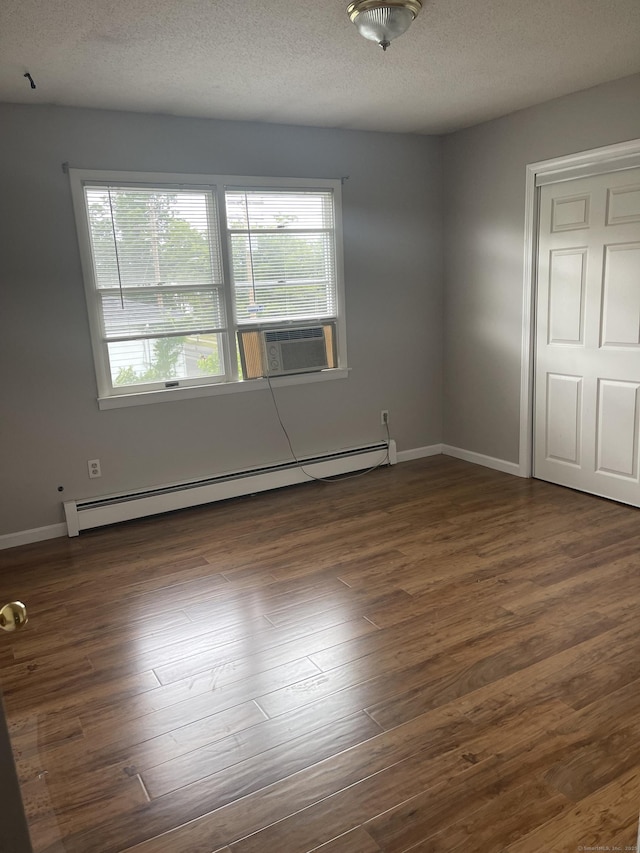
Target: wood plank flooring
pixel 432 657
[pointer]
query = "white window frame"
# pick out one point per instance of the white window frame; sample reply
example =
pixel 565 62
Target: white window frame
pixel 107 399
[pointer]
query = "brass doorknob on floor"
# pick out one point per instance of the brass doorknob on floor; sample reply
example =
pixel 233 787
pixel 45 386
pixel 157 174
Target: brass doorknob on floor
pixel 13 616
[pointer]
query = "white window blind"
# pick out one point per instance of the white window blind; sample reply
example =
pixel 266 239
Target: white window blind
pixel 158 282
pixel 282 248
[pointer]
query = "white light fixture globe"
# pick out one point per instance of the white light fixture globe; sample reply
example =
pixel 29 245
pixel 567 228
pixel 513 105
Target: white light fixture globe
pixel 383 20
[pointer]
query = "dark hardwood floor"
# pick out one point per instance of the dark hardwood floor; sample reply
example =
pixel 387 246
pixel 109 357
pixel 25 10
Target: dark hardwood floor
pixel 431 657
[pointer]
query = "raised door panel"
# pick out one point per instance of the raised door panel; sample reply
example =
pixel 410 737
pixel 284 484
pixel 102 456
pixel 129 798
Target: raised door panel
pixel 564 416
pixel 621 296
pixel 623 205
pixel 617 435
pixel 567 270
pixel 570 212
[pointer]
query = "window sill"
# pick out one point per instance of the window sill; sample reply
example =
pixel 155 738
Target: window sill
pixel 169 395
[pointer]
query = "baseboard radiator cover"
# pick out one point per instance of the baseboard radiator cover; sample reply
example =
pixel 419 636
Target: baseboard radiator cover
pixel 111 509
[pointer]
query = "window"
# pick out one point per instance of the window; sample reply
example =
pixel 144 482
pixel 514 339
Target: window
pixel 282 254
pixel 178 268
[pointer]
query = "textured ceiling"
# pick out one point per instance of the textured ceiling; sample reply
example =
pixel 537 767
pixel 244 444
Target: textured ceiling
pixel 297 62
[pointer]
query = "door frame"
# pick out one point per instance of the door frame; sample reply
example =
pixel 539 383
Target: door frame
pixel 583 164
pixel 14 832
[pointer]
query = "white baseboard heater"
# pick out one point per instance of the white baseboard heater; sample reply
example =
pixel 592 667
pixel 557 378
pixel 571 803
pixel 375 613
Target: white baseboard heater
pixel 110 509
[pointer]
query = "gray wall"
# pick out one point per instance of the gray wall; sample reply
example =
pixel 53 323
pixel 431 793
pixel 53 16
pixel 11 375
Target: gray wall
pixel 484 232
pixel 50 423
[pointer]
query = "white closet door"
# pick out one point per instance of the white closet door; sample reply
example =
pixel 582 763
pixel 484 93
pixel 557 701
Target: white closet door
pixel 587 377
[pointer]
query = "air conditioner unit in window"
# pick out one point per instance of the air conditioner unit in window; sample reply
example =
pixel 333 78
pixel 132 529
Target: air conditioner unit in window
pixel 300 350
pixel 287 349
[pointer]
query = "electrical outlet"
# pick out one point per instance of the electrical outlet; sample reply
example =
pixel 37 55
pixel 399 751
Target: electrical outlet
pixel 94 468
pixel 384 417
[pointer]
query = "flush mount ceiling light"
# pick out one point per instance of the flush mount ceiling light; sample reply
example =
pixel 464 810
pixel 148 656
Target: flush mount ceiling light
pixel 383 20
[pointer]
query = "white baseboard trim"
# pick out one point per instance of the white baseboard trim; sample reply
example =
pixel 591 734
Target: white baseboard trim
pixel 481 459
pixel 37 534
pixel 53 531
pixel 419 452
